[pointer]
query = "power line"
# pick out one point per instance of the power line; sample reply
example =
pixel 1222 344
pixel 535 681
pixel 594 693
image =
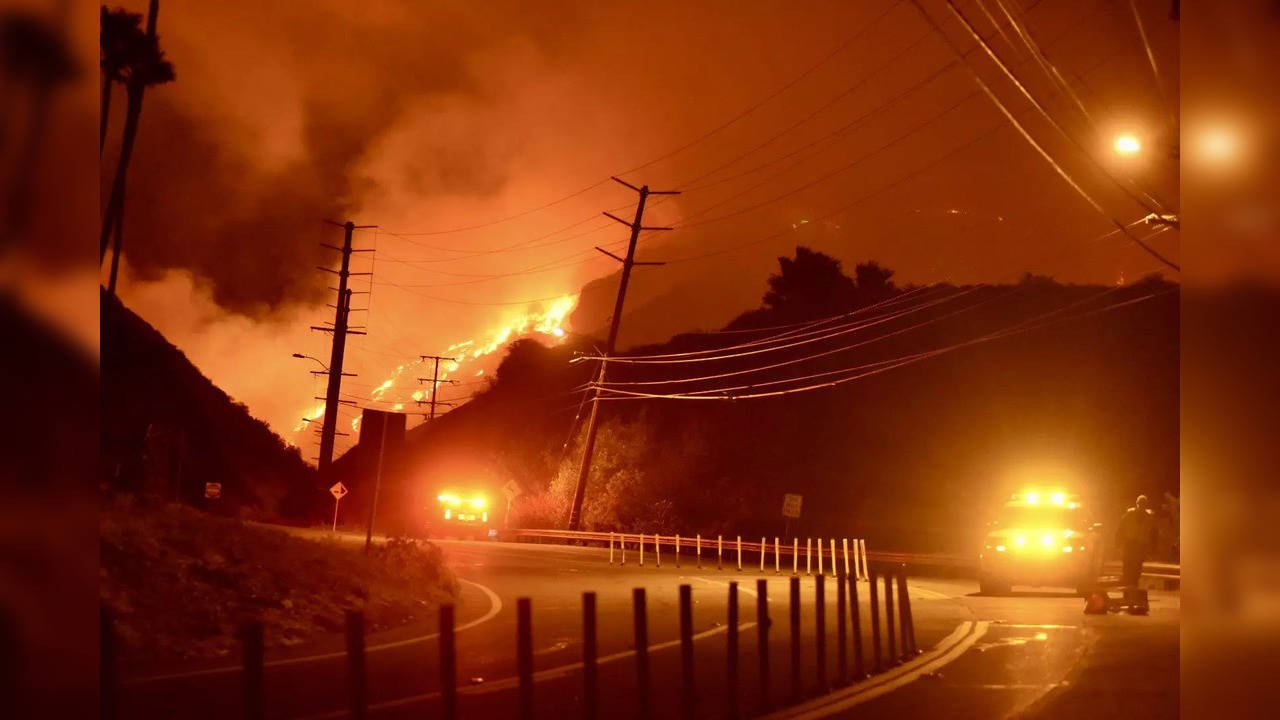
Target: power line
pixel 753 348
pixel 806 358
pixel 1043 112
pixel 1043 153
pixel 861 371
pixel 701 138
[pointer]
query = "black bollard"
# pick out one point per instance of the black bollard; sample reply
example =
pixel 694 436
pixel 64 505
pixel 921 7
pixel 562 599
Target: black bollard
pixel 448 665
pixel 762 642
pixel 905 622
pixel 688 695
pixel 643 700
pixel 590 675
pixel 892 656
pixel 355 664
pixel 524 655
pixel 797 691
pixel 842 633
pixel 859 671
pixel 731 662
pixel 251 654
pixel 876 664
pixel 820 627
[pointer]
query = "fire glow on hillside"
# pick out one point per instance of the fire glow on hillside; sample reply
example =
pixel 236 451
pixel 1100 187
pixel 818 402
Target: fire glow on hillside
pixel 546 322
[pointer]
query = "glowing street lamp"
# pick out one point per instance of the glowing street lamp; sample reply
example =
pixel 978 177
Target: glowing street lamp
pixel 1127 145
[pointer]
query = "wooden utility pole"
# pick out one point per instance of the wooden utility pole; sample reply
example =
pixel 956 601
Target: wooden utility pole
pixel 588 448
pixel 341 328
pixel 435 382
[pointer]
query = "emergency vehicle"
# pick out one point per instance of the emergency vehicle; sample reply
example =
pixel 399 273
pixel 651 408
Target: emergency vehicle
pixel 460 515
pixel 1040 538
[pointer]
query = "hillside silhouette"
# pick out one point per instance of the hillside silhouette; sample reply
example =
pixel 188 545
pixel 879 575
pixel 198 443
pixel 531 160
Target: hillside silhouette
pixel 1078 388
pixel 167 430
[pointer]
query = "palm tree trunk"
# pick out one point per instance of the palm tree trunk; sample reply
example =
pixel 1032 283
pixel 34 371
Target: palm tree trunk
pixel 106 110
pixel 115 205
pixel 115 252
pixel 133 110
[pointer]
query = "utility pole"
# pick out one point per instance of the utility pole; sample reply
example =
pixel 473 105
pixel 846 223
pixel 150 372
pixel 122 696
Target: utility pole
pixel 435 382
pixel 340 330
pixel 588 448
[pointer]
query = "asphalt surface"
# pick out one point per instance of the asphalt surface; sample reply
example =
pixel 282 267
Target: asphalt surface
pixel 1028 654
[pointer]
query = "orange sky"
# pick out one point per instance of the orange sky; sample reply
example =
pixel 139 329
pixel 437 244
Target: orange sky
pixel 427 117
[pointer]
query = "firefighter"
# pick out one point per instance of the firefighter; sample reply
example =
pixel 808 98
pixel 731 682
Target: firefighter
pixel 1136 536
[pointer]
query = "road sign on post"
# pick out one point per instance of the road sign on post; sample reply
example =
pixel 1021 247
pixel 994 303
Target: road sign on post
pixel 512 490
pixel 338 491
pixel 790 509
pixel 213 490
pixel 791 505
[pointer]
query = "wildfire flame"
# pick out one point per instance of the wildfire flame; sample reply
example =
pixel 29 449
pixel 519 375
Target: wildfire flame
pixel 546 321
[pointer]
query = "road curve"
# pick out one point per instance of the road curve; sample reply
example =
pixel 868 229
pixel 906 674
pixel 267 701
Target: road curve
pixel 1008 668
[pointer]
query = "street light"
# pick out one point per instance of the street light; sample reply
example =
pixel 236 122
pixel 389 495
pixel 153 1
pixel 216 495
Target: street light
pixel 1127 145
pixel 300 356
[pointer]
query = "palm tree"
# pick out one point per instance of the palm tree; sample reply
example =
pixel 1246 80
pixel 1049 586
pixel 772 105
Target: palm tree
pixel 120 37
pixel 147 67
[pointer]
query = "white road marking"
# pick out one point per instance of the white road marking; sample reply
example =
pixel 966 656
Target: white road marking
pixel 508 683
pixel 951 647
pixel 925 592
pixel 495 606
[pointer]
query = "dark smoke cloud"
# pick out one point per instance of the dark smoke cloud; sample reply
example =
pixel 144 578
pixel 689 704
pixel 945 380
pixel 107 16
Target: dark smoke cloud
pixel 203 198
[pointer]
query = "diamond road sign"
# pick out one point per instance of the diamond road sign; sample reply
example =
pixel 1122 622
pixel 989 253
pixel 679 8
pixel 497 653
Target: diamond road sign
pixel 511 489
pixel 338 490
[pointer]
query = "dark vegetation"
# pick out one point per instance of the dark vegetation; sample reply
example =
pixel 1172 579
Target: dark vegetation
pixel 167 431
pixel 180 583
pixel 913 457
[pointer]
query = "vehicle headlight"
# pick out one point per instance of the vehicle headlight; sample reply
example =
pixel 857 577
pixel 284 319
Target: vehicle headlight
pixel 1046 540
pixel 1020 540
pixel 1066 548
pixel 1000 548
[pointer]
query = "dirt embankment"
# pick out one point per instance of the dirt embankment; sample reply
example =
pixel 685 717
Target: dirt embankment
pixel 180 583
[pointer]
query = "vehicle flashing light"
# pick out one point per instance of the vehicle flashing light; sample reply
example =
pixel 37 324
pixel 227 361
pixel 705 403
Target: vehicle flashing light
pixel 1046 540
pixel 1033 498
pixel 1020 540
pixel 477 503
pixel 1058 498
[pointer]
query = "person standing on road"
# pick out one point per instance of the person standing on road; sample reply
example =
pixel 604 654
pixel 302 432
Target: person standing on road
pixel 1136 537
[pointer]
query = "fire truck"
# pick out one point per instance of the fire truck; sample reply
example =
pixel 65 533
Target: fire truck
pixel 463 515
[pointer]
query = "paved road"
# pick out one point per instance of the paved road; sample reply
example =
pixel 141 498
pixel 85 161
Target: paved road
pixel 1032 653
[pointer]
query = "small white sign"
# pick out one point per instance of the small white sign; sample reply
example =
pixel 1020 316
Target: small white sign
pixel 511 489
pixel 338 490
pixel 791 505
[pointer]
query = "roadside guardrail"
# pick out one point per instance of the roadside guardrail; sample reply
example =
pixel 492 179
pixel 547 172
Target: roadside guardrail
pixel 856 559
pixel 816 554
